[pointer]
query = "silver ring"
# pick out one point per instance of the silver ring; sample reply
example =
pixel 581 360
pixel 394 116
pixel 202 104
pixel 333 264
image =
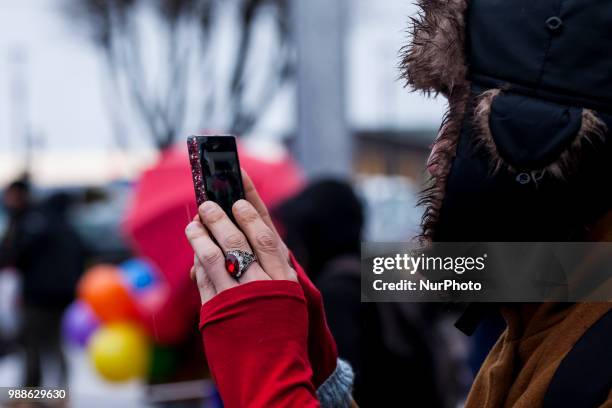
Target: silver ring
pixel 237 262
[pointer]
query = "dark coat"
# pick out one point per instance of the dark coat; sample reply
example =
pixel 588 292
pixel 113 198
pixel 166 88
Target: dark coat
pixel 46 249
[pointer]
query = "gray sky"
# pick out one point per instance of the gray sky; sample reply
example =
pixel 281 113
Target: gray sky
pixel 62 73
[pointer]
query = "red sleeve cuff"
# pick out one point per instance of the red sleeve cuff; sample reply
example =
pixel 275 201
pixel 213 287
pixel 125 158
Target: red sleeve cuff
pixel 255 340
pixel 321 344
pixel 236 300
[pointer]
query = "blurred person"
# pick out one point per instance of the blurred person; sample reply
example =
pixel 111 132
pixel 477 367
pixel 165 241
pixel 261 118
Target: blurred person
pixel 16 202
pixel 389 345
pixel 42 245
pixel 321 224
pixel 523 155
pixel 16 198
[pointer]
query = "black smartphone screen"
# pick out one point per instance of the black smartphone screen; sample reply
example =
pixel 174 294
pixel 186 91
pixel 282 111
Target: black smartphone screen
pixel 218 157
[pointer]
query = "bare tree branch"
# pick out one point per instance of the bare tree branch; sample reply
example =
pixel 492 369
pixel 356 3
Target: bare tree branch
pixel 188 29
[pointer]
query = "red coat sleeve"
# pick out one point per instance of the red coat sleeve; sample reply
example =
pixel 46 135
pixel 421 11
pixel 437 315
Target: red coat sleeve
pixel 321 344
pixel 256 343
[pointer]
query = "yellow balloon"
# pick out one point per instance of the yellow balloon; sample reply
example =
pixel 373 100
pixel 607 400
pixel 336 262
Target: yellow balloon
pixel 120 351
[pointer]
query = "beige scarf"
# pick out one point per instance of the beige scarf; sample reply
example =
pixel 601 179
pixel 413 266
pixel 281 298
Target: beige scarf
pixel 519 368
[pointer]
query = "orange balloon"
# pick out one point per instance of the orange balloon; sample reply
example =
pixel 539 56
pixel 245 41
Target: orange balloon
pixel 103 289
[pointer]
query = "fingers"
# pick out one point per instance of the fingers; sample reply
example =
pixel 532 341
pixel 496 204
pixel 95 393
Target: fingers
pixel 252 196
pixel 265 242
pixel 205 284
pixel 209 256
pixel 229 237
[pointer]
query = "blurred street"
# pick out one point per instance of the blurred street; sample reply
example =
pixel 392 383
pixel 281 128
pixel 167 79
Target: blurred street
pixel 85 387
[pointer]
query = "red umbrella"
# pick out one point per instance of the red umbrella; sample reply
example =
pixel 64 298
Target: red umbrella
pixel 163 203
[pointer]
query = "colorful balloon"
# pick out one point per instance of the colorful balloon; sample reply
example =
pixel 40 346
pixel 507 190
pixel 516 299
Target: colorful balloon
pixel 120 352
pixel 139 274
pixel 79 323
pixel 148 289
pixel 103 289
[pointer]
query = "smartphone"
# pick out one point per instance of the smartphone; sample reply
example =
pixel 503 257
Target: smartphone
pixel 216 170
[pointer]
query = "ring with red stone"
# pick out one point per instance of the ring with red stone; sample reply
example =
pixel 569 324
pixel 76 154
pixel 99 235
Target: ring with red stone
pixel 237 262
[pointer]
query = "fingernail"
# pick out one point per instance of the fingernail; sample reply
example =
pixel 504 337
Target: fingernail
pixel 191 226
pixel 207 207
pixel 241 205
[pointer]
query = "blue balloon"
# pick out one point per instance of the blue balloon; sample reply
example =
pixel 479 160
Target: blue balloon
pixel 139 273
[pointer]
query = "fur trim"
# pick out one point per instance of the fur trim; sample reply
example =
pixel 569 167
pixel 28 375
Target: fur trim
pixel 484 138
pixel 592 129
pixel 434 61
pixel 443 153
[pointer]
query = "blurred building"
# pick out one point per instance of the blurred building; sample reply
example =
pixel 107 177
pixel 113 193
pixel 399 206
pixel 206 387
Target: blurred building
pixel 393 127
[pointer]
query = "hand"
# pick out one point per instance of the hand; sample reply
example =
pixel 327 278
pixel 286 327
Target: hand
pixel 255 233
pixel 274 263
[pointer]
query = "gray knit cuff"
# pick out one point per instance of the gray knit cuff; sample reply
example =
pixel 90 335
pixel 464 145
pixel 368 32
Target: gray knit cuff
pixel 336 391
